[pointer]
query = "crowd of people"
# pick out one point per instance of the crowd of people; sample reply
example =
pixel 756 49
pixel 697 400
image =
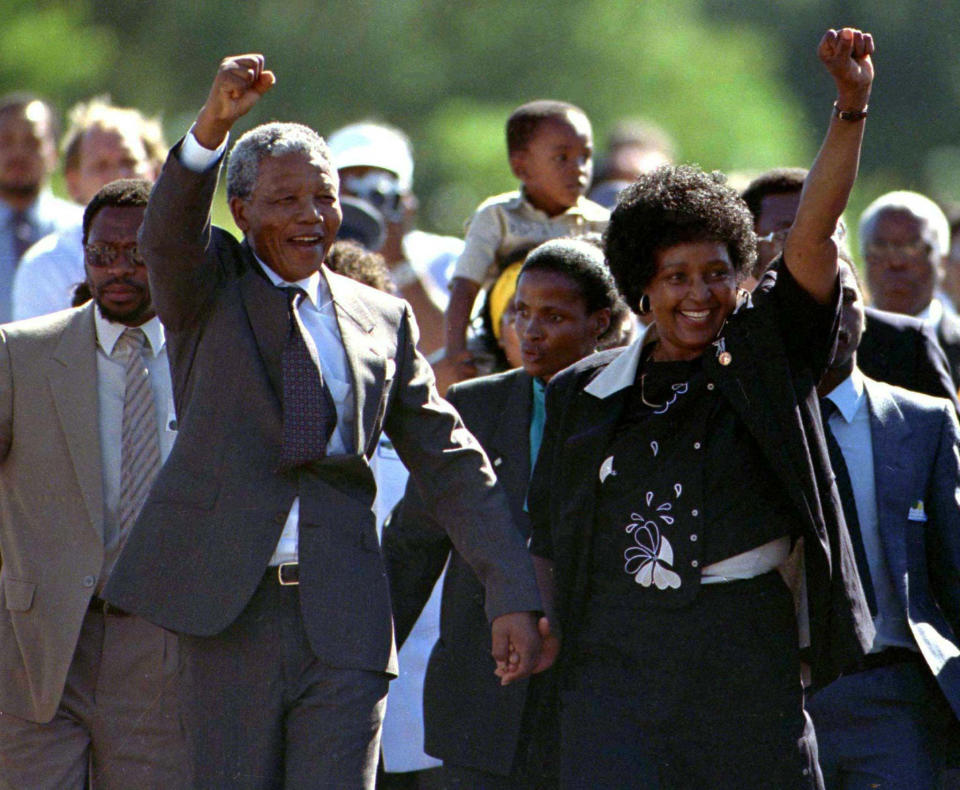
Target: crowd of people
pixel 621 491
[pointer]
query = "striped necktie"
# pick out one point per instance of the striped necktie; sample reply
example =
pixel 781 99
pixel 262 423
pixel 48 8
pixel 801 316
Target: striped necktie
pixel 140 450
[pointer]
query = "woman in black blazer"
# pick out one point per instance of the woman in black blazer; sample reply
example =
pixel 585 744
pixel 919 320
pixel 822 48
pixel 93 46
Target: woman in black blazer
pixel 566 303
pixel 674 477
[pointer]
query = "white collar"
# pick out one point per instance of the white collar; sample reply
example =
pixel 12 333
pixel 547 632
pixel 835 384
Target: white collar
pixel 932 314
pixel 108 332
pixel 619 374
pixel 848 395
pixel 315 286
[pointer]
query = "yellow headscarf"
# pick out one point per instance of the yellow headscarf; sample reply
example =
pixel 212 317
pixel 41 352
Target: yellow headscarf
pixel 501 292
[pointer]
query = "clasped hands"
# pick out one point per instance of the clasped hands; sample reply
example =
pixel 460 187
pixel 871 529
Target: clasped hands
pixel 522 645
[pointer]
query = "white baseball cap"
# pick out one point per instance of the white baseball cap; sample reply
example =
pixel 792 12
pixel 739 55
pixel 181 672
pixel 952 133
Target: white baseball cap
pixel 369 144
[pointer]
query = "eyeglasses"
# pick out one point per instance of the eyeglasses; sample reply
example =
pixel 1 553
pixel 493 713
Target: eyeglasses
pixel 886 249
pixel 102 255
pixel 775 236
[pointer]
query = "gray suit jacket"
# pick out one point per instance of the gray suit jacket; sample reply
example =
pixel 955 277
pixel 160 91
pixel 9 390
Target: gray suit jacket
pixel 51 503
pixel 916 456
pixel 213 518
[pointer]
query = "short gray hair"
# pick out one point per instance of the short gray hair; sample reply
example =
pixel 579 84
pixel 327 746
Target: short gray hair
pixel 270 139
pixel 912 203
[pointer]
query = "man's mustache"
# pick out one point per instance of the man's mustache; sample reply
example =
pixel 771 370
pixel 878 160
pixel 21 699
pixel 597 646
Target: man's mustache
pixel 122 281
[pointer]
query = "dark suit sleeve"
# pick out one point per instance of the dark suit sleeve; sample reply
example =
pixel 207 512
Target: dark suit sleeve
pixel 932 370
pixel 808 329
pixel 943 546
pixel 415 550
pixel 902 350
pixel 177 242
pixel 455 479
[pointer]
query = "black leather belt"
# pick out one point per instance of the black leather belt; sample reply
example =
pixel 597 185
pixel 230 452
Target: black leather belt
pixel 287 574
pixel 887 657
pixel 97 604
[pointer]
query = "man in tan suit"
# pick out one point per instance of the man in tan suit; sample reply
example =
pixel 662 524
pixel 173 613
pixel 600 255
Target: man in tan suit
pixel 85 418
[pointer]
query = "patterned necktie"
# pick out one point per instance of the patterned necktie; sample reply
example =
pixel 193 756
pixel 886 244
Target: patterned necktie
pixel 22 233
pixel 309 413
pixel 140 450
pixel 849 502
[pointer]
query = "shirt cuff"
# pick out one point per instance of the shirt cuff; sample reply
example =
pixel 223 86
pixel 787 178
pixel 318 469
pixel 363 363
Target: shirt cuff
pixel 194 156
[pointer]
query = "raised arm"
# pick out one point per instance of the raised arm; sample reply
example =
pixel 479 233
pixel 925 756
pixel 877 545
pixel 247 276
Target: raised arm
pixel 175 238
pixel 240 82
pixel 810 251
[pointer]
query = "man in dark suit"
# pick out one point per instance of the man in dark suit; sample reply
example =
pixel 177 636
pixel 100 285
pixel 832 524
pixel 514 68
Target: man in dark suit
pixel 897 349
pixel 904 238
pixel 258 541
pixel 886 721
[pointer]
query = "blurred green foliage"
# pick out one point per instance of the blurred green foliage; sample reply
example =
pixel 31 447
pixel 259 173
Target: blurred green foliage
pixel 737 84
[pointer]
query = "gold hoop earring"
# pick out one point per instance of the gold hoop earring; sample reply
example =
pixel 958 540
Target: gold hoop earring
pixel 643 308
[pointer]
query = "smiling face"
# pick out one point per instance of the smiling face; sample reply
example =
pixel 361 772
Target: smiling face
pixel 557 164
pixel 553 324
pixel 292 216
pixel 116 274
pixel 691 295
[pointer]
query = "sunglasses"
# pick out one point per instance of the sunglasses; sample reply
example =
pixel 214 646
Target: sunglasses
pixel 379 189
pixel 103 255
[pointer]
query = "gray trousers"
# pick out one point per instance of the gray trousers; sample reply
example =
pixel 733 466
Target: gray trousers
pixel 118 724
pixel 263 712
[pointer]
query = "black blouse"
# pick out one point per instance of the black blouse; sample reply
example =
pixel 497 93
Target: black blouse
pixel 687 486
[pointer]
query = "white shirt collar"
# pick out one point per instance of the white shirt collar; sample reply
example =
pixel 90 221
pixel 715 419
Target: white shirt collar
pixel 108 332
pixel 315 286
pixel 619 374
pixel 932 314
pixel 848 395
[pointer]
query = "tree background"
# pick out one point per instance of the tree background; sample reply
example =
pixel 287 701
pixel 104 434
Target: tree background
pixel 735 82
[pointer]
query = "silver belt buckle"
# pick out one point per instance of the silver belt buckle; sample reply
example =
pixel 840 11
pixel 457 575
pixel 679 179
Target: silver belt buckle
pixel 280 575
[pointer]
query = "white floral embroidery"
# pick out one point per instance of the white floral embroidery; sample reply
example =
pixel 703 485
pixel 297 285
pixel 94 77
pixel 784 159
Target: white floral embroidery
pixel 650 561
pixel 655 446
pixel 606 469
pixel 678 390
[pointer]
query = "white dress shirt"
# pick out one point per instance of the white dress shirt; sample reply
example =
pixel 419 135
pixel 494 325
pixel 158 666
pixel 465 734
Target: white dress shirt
pixel 850 425
pixel 49 273
pixel 111 384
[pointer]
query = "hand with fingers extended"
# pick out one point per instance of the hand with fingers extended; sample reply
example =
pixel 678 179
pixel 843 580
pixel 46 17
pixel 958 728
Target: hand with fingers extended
pixel 240 82
pixel 847 55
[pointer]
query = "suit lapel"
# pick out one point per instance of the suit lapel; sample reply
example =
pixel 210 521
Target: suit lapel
pixel 890 436
pixel 510 439
pixel 588 446
pixel 266 307
pixel 367 363
pixel 72 375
